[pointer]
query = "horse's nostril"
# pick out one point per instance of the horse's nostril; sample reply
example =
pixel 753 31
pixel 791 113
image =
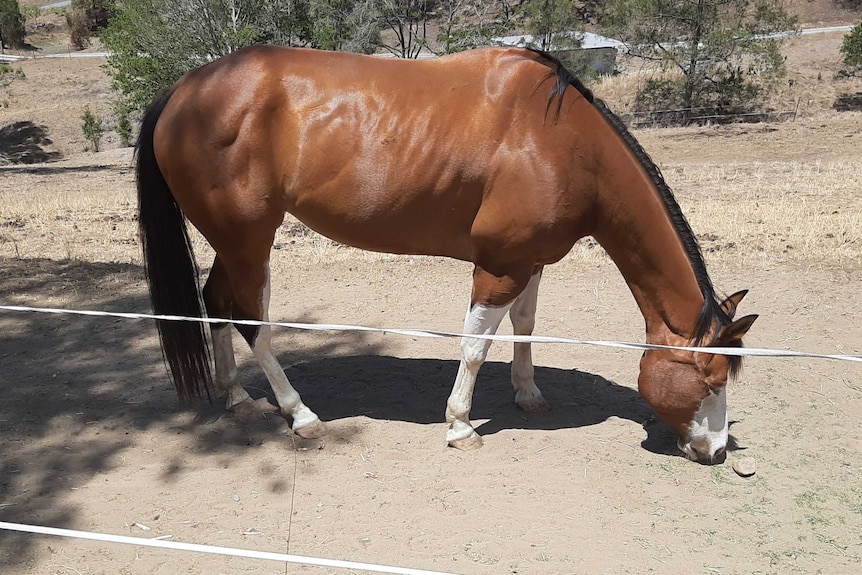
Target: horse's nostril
pixel 719 455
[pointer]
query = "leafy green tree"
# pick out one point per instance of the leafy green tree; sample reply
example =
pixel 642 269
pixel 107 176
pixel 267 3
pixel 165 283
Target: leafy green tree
pixel 345 25
pixel 466 24
pixel 154 42
pixel 851 49
pixel 721 52
pixel 553 24
pixel 11 25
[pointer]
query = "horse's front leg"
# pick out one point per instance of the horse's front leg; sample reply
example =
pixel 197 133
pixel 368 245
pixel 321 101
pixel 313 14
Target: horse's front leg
pixel 493 295
pixel 484 320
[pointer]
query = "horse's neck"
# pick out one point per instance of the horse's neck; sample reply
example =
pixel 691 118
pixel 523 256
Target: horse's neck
pixel 636 230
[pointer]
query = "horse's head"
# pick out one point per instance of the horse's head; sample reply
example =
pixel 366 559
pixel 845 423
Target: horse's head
pixel 688 390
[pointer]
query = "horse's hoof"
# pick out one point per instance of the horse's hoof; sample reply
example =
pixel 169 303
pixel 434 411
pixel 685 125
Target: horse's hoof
pixel 314 430
pixel 252 407
pixel 534 404
pixel 471 443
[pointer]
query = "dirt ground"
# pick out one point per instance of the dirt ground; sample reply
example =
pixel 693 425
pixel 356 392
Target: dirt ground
pixel 93 438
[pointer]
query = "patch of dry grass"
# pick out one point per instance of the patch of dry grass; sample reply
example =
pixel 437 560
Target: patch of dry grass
pixel 752 213
pixel 780 211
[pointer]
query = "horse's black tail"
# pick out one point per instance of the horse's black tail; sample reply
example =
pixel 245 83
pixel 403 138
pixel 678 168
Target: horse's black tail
pixel 172 272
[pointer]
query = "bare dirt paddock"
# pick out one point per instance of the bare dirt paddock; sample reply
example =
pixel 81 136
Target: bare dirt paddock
pixel 92 437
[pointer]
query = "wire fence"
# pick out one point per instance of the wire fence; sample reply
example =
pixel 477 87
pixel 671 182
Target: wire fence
pixel 333 563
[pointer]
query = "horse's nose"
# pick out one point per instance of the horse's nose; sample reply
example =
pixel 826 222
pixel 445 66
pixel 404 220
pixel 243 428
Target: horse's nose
pixel 703 454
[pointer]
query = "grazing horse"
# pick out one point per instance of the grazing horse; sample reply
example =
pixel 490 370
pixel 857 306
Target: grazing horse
pixel 499 157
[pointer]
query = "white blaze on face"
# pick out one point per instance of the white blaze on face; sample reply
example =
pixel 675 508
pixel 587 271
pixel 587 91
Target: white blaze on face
pixel 708 432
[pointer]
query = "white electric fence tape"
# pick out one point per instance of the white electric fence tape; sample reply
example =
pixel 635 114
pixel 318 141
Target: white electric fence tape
pixel 283 557
pixel 336 327
pixel 742 352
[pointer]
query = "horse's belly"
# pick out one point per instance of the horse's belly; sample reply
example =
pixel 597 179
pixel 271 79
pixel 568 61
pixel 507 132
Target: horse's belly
pixel 391 227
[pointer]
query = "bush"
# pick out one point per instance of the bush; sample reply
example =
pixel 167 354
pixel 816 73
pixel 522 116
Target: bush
pixel 851 48
pixel 97 12
pixel 92 128
pixel 79 30
pixel 8 74
pixel 124 127
pixel 662 101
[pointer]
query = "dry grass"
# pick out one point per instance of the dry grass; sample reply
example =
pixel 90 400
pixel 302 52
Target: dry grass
pixel 780 211
pixel 804 212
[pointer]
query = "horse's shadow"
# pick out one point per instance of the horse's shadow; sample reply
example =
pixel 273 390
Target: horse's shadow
pixel 416 390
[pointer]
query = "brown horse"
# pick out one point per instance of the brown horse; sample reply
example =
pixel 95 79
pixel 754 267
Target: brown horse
pixel 498 157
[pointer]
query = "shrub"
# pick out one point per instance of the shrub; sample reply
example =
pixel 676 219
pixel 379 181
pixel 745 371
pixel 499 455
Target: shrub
pixel 8 74
pixel 98 13
pixel 124 127
pixel 851 48
pixel 79 29
pixel 92 128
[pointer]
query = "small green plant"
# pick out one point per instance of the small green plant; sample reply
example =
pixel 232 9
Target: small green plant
pixel 92 128
pixel 124 126
pixel 30 12
pixel 851 48
pixel 8 74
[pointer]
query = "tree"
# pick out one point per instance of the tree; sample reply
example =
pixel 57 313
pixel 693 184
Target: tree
pixel 553 24
pixel 345 25
pixel 408 22
pixel 154 42
pixel 465 24
pixel 11 25
pixel 851 49
pixel 720 53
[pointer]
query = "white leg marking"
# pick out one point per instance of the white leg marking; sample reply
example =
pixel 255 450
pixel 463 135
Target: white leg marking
pixel 523 316
pixel 305 422
pixel 708 434
pixel 485 320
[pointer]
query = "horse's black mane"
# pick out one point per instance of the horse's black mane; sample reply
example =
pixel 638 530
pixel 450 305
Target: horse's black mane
pixel 711 313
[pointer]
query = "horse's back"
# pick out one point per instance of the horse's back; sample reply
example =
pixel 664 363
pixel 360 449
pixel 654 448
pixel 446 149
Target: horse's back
pixel 384 154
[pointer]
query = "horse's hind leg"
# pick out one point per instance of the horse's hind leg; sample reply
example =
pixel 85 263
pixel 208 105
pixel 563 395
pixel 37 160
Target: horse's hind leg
pixel 249 278
pixel 219 304
pixel 523 316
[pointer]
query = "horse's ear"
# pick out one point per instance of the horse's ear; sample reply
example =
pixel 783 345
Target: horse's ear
pixel 734 332
pixel 729 305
